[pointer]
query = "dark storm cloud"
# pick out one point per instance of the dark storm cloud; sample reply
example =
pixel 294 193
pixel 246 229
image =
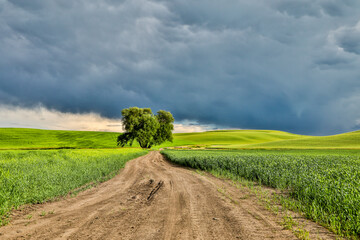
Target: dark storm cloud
pixel 348 38
pixel 288 65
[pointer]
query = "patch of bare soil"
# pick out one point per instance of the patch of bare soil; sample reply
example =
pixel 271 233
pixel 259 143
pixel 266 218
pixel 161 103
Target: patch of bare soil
pixel 153 199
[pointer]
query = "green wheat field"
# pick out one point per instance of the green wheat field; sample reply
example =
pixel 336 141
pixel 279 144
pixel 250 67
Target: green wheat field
pixel 321 174
pixel 19 138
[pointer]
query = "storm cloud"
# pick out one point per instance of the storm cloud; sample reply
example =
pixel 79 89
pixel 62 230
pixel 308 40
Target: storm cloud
pixel 286 65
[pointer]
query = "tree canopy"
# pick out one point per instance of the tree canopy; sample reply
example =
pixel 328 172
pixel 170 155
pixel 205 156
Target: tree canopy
pixel 147 129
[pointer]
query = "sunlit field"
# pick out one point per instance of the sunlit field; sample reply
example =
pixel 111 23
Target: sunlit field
pixel 321 173
pixel 19 138
pixel 230 138
pixel 349 140
pixel 26 138
pixel 264 139
pixel 326 183
pixel 34 176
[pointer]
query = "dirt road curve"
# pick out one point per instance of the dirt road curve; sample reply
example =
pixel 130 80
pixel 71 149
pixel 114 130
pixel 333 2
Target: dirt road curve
pixel 152 199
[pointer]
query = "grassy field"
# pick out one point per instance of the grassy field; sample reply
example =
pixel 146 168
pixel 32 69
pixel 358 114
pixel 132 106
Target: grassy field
pixel 324 183
pixel 230 138
pixel 22 138
pixel 325 180
pixel 33 176
pixel 349 140
pixel 264 139
pixel 15 138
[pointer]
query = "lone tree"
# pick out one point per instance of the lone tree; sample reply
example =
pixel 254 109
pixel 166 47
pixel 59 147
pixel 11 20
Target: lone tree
pixel 147 129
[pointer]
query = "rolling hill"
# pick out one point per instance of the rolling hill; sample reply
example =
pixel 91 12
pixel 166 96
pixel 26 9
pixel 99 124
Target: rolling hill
pixel 24 138
pixel 230 138
pixel 350 140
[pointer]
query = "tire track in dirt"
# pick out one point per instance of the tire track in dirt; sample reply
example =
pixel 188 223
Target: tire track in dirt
pixel 151 199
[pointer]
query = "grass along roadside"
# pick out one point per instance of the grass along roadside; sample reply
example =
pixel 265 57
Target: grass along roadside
pixel 269 199
pixel 275 201
pixel 323 184
pixel 282 205
pixel 38 176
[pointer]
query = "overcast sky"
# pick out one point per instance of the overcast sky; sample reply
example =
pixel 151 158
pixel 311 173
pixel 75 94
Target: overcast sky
pixel 259 64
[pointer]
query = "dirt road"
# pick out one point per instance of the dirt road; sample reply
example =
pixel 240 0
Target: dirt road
pixel 152 199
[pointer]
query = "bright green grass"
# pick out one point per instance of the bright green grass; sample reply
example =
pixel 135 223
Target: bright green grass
pixel 265 139
pixel 229 138
pixel 324 183
pixel 15 138
pixel 34 176
pixel 22 138
pixel 349 140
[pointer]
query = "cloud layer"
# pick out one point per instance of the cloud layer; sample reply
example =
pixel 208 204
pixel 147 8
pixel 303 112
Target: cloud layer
pixel 42 118
pixel 287 65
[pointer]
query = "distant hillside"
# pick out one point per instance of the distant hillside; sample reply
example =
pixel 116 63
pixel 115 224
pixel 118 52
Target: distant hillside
pixel 15 138
pixel 24 138
pixel 230 138
pixel 349 140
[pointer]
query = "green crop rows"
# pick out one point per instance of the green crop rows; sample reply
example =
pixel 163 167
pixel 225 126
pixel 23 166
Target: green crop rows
pixel 326 183
pixel 36 176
